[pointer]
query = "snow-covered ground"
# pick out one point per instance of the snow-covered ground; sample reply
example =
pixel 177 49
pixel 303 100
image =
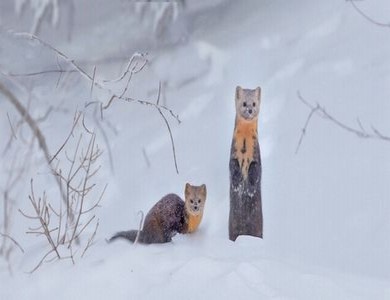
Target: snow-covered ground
pixel 326 208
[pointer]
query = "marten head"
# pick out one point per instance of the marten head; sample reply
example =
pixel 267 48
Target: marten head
pixel 195 198
pixel 248 103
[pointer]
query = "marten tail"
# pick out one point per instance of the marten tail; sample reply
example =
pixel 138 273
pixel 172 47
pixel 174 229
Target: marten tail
pixel 130 235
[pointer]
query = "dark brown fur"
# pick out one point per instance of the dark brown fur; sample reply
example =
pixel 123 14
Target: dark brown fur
pixel 169 216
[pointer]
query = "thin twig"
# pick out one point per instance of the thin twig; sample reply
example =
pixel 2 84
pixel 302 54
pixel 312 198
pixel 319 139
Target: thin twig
pixel 129 64
pixel 85 226
pixel 91 239
pixel 43 215
pixel 312 112
pixel 168 127
pixel 13 240
pixel 155 105
pixel 12 128
pixel 93 80
pixel 140 213
pixel 365 16
pixel 41 261
pixel 40 73
pixel 97 202
pixel 75 122
pixel 85 181
pixel 146 157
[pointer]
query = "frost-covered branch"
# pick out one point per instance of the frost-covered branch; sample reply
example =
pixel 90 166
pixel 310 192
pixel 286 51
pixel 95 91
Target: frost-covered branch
pixel 319 110
pixel 96 83
pixel 135 65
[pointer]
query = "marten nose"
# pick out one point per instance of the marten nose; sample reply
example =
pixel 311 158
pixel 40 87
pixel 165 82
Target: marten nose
pixel 250 111
pixel 195 207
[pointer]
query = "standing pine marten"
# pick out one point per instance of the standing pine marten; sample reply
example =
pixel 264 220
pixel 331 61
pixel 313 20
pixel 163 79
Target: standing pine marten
pixel 246 217
pixel 169 216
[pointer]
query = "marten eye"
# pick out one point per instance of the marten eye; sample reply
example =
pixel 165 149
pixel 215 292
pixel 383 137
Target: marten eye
pixel 199 201
pixel 254 104
pixel 192 201
pixel 244 104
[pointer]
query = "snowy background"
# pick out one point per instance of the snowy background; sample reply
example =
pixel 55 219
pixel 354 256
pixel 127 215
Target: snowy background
pixel 326 208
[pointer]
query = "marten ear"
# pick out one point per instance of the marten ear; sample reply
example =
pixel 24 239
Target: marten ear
pixel 187 190
pixel 258 93
pixel 204 190
pixel 238 92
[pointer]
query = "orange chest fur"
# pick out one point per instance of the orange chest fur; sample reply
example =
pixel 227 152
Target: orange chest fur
pixel 193 222
pixel 245 140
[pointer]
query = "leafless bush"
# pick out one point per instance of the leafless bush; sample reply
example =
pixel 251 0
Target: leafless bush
pixel 65 217
pixel 61 222
pixel 63 225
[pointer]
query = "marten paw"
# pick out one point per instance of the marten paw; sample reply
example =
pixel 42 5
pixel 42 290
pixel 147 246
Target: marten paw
pixel 254 174
pixel 235 173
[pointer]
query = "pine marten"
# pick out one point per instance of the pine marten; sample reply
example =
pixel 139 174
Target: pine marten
pixel 169 216
pixel 246 217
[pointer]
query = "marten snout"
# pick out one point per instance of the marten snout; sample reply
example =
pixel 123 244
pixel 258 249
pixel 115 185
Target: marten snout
pixel 195 205
pixel 248 109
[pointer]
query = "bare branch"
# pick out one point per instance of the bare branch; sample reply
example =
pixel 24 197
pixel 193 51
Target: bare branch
pixel 157 106
pixel 40 73
pixel 30 121
pixel 140 213
pixel 133 70
pixel 85 226
pixel 12 128
pixel 321 112
pixel 13 240
pixel 41 261
pixel 43 217
pixel 28 216
pixel 91 239
pixel 93 80
pixel 85 126
pixel 169 129
pixel 95 83
pixel 89 155
pixel 312 112
pixel 46 115
pixel 75 122
pixel 33 126
pixel 365 16
pixel 146 157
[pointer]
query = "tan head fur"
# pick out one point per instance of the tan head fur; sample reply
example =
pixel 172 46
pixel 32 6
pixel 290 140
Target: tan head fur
pixel 195 198
pixel 248 103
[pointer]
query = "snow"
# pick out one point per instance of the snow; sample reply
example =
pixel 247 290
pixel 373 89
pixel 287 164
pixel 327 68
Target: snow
pixel 326 209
